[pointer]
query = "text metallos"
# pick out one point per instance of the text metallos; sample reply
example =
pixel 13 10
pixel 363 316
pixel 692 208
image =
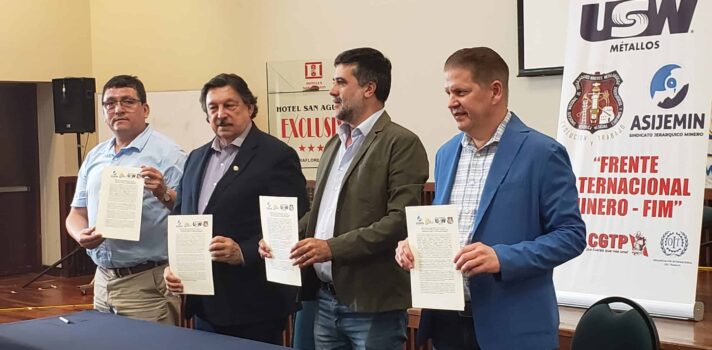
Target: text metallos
pixel 639 46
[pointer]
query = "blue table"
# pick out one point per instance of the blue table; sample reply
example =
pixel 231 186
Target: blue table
pixel 96 330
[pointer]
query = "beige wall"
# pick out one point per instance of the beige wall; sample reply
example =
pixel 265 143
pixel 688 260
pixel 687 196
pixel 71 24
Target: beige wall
pixel 57 158
pixel 44 39
pixel 41 40
pixel 417 36
pixel 179 44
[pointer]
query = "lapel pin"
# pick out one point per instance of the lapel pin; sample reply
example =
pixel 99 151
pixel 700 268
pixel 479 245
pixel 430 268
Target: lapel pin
pixel 235 168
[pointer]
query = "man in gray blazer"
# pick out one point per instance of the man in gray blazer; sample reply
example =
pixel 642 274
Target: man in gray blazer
pixel 369 172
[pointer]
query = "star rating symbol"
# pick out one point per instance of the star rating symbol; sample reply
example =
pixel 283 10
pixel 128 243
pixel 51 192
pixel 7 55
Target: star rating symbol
pixel 310 148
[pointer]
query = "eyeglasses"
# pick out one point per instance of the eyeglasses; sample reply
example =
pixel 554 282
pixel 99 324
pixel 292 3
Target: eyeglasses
pixel 128 103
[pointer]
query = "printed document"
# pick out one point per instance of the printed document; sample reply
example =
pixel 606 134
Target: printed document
pixel 120 203
pixel 280 229
pixel 188 239
pixel 434 240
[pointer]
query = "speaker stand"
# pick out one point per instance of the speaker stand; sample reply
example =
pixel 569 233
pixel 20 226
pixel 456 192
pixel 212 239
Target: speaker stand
pixel 78 248
pixel 79 150
pixel 44 272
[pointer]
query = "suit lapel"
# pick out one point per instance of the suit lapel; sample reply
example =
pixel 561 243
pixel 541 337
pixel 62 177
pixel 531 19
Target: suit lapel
pixel 244 155
pixel 330 152
pixel 507 149
pixel 446 178
pixel 381 123
pixel 197 179
pixel 322 173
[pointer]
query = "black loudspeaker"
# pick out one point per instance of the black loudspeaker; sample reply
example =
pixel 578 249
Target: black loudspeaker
pixel 74 108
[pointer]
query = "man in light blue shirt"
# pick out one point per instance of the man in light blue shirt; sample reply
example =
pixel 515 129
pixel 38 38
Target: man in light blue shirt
pixel 129 277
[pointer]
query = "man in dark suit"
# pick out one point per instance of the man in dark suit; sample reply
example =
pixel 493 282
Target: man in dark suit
pixel 225 178
pixel 518 215
pixel 367 175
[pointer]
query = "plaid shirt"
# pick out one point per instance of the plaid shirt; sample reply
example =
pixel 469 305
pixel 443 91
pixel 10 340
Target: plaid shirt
pixel 470 179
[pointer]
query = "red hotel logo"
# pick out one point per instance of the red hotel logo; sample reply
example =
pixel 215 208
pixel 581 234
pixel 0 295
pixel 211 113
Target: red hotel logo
pixel 313 70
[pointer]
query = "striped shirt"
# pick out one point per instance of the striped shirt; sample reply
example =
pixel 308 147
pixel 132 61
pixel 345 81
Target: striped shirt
pixel 470 178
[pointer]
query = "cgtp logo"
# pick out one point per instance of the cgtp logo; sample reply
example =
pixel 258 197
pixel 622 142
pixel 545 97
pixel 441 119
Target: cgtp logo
pixel 635 18
pixel 638 243
pixel 665 86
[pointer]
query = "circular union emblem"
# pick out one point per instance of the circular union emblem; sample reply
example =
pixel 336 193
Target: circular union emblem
pixel 673 243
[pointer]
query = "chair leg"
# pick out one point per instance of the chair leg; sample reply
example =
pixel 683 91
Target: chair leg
pixel 288 333
pixel 84 288
pixel 706 247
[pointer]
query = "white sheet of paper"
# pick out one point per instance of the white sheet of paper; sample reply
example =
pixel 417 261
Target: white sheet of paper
pixel 120 203
pixel 188 239
pixel 434 240
pixel 280 229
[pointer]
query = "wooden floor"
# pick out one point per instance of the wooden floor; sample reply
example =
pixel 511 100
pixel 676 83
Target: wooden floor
pixel 51 296
pixel 47 296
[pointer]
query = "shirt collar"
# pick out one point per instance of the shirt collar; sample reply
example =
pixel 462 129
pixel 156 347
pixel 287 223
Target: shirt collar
pixel 237 142
pixel 362 129
pixel 467 140
pixel 139 142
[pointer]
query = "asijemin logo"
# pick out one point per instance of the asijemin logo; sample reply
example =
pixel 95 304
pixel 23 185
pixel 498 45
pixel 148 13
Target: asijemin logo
pixel 635 18
pixel 666 87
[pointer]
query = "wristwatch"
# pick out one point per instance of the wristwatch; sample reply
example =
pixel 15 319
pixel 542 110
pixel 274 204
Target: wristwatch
pixel 166 196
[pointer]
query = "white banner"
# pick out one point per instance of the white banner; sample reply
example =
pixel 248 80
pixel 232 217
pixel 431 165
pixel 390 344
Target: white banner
pixel 634 116
pixel 301 111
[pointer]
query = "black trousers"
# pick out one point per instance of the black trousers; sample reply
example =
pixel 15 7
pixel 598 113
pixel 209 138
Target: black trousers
pixel 266 332
pixel 453 330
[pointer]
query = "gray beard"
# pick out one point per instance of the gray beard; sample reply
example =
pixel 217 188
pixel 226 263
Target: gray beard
pixel 346 115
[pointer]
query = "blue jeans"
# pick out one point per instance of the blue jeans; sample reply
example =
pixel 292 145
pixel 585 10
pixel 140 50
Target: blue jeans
pixel 338 328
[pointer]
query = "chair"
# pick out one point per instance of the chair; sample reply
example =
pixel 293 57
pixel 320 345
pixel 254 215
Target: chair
pixel 603 328
pixel 706 237
pixel 303 336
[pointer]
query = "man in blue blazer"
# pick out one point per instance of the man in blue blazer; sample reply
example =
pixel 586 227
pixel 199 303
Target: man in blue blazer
pixel 225 178
pixel 518 215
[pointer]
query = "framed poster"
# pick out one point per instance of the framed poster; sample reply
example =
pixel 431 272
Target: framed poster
pixel 542 36
pixel 300 109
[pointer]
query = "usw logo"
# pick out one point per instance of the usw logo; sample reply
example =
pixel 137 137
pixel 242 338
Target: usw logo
pixel 635 18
